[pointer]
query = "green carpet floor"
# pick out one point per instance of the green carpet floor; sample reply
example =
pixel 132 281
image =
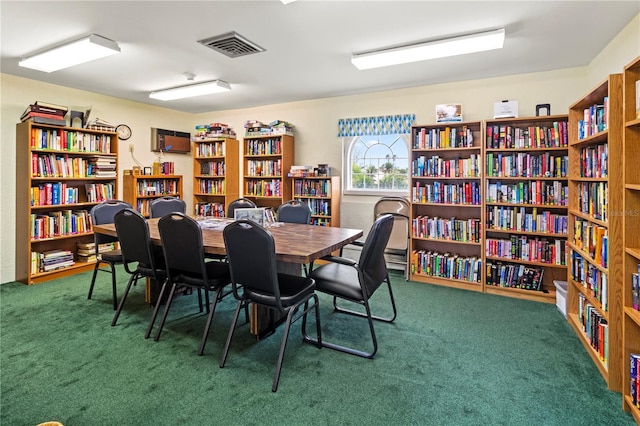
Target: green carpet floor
pixel 451 358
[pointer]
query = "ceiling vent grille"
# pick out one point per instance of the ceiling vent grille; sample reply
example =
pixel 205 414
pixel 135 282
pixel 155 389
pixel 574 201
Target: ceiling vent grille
pixel 231 44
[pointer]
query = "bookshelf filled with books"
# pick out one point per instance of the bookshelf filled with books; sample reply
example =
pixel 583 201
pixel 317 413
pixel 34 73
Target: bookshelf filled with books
pixel 215 175
pixel 62 172
pixel 631 232
pixel 141 190
pixel 322 195
pixel 525 209
pixel 446 205
pixel 594 298
pixel 266 162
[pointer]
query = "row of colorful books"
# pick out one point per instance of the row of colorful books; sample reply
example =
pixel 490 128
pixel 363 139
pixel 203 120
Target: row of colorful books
pixel 555 193
pixel 211 149
pixel 591 278
pixel 525 219
pixel 527 165
pixel 70 140
pixel 521 247
pixel 450 229
pixel 436 166
pixel 445 193
pixel 595 328
pixel 509 275
pixel 449 137
pixel 510 137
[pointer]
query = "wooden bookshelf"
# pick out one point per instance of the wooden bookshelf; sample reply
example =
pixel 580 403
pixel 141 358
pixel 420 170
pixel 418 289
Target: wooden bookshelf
pixel 631 231
pixel 525 207
pixel 446 182
pixel 595 290
pixel 322 195
pixel 266 162
pixel 215 175
pixel 141 190
pixel 56 186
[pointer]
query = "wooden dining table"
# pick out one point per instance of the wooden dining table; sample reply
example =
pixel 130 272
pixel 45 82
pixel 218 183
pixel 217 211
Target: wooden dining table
pixel 296 244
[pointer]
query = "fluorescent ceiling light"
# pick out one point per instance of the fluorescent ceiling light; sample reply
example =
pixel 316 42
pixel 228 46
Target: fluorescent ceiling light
pixel 287 1
pixel 70 54
pixel 192 90
pixel 436 49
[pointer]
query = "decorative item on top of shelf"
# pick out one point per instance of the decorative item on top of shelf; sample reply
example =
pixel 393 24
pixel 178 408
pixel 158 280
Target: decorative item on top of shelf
pixel 505 109
pixel 213 130
pixel 545 107
pixel 323 170
pixel 446 113
pixel 258 128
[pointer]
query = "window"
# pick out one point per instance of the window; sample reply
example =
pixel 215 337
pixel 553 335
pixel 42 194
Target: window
pixel 377 165
pixel 376 154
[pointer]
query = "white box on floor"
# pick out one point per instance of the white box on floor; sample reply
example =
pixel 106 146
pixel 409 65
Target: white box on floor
pixel 561 296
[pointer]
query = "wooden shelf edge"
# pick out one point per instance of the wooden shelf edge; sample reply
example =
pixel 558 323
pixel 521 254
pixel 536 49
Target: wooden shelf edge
pixel 446 282
pixel 633 251
pixel 587 257
pixel 630 408
pixel 590 298
pixel 595 357
pixel 538 233
pixel 527 262
pixel 632 314
pixel 60 273
pixel 518 293
pixel 436 240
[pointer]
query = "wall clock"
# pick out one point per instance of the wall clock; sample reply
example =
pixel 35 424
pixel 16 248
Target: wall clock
pixel 124 132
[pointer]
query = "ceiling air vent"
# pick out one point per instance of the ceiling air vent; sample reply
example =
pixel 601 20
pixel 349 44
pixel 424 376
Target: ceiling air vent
pixel 231 44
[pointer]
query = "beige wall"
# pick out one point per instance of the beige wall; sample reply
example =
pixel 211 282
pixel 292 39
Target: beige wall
pixel 315 120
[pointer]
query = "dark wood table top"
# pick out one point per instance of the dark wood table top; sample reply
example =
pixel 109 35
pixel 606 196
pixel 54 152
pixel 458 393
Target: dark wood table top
pixel 295 243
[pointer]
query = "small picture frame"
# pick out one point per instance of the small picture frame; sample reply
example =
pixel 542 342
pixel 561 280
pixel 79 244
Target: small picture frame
pixel 147 171
pixel 254 214
pixel 447 113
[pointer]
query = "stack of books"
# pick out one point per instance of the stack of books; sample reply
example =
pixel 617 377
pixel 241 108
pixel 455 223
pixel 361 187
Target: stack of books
pixel 86 251
pixel 275 128
pixel 301 171
pixel 45 113
pixel 213 130
pixel 102 167
pixel 54 259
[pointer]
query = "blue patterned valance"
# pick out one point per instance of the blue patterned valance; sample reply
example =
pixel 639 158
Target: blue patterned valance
pixel 375 126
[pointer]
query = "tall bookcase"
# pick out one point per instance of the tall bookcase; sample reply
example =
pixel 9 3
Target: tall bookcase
pixel 594 301
pixel 215 175
pixel 56 185
pixel 631 232
pixel 526 197
pixel 446 205
pixel 322 195
pixel 266 162
pixel 141 190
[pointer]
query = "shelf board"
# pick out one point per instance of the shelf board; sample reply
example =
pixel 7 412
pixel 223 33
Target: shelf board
pixel 590 218
pixel 589 179
pixel 633 251
pixel 544 206
pixel 447 282
pixel 562 178
pixel 633 186
pixel 553 148
pixel 587 257
pixel 74 153
pixel 447 177
pixel 588 294
pixel 72 178
pixel 61 237
pixel 439 240
pixel 574 321
pixel 174 194
pixel 446 205
pixel 206 194
pixel 464 148
pixel 62 206
pixel 63 272
pixel 593 139
pixel 514 231
pixel 632 123
pixel 526 262
pixel 210 177
pixel 534 295
pixel 632 314
pixel 634 410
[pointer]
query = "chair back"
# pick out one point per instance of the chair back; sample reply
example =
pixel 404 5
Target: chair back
pixel 135 242
pixel 294 211
pixel 165 205
pixel 372 264
pixel 182 245
pixel 400 208
pixel 251 252
pixel 240 203
pixel 104 213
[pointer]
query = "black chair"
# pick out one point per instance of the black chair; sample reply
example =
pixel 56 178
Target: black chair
pixel 240 203
pixel 101 214
pixel 165 205
pixel 294 211
pixel 184 258
pixel 357 282
pixel 255 279
pixel 397 250
pixel 136 247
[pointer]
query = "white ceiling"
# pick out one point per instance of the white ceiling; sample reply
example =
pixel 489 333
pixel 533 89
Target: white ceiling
pixel 308 44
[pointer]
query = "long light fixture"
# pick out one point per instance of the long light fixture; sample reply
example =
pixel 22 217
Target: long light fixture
pixel 77 52
pixel 287 1
pixel 207 88
pixel 477 42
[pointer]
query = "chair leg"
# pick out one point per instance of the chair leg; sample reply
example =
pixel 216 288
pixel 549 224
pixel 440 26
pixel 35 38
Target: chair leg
pixel 113 286
pixel 283 347
pixel 207 326
pixel 232 329
pixel 375 317
pixel 132 280
pixel 155 309
pixel 200 299
pixel 305 337
pixel 93 279
pixel 166 311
